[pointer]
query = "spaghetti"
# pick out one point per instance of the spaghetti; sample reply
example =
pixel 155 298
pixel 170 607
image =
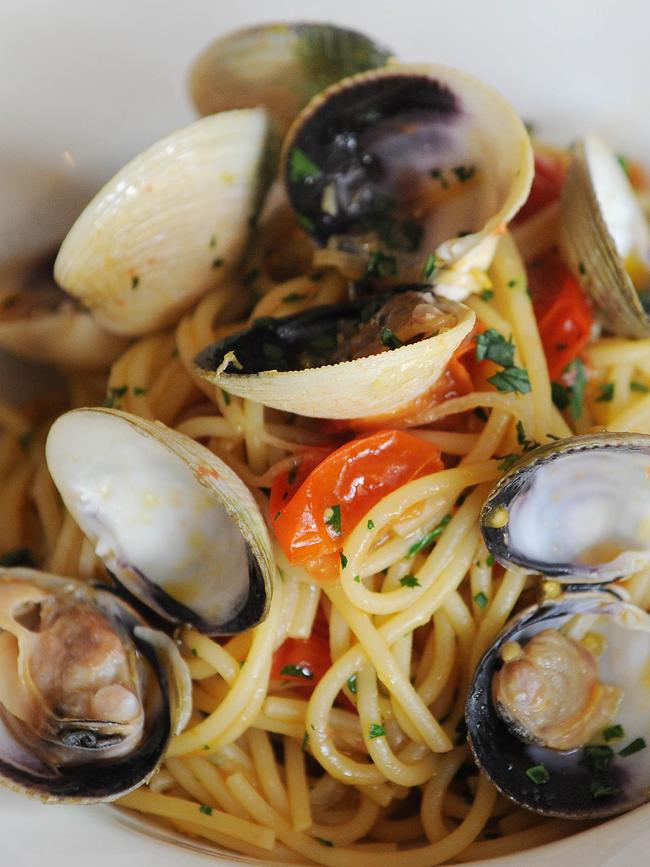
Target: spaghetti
pixel 370 760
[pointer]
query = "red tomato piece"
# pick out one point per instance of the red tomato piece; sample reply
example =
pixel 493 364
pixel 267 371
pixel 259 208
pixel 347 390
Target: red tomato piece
pixel 564 316
pixel 547 185
pixel 334 497
pixel 303 661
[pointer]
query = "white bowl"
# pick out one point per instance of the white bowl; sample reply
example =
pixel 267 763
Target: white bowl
pixel 85 86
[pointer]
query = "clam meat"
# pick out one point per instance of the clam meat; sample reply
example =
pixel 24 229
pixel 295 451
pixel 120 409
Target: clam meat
pixel 89 695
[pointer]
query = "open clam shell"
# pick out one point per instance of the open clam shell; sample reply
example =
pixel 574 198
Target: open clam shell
pixel 289 363
pixel 60 742
pixel 577 509
pixel 40 322
pixel 605 237
pixel 169 226
pixel 174 525
pixel 609 772
pixel 410 162
pixel 279 66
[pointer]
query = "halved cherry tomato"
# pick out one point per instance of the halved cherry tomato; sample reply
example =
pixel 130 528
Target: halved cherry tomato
pixel 287 483
pixel 303 661
pixel 563 313
pixel 547 185
pixel 312 527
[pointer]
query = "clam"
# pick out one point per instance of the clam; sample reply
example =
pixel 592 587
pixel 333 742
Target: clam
pixel 605 237
pixel 172 523
pixel 558 715
pixel 408 172
pixel 578 509
pixel 89 696
pixel 279 66
pixel 39 321
pixel 169 226
pixel 357 359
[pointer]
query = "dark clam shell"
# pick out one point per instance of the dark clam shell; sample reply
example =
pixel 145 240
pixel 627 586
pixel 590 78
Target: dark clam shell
pixel 590 782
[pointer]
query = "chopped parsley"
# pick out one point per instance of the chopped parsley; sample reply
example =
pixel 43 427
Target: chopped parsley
pixel 381 265
pixel 294 296
pixel 344 560
pixel 135 282
pixel 599 757
pixel 352 683
pixel 370 524
pixel 640 387
pixel 480 599
pixel 305 741
pixel 217 263
pixel 538 774
pixel 333 518
pixel 206 746
pixel 512 379
pixel 633 747
pixel 581 268
pixel 17 557
pixel 560 395
pixel 301 166
pixel 389 339
pixel 486 295
pixel 323 841
pixel 409 581
pixel 577 390
pixel 601 790
pixel 194 651
pixel 305 222
pixel 114 394
pixel 429 538
pixel 138 390
pixel 357 579
pixel 606 393
pixel 207 811
pixel 376 731
pixel 508 460
pixel 429 265
pixel 489 560
pixel 493 346
pixel 523 440
pixel 613 732
pixel 297 669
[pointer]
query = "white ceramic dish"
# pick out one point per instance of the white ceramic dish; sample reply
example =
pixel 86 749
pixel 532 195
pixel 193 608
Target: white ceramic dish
pixel 85 86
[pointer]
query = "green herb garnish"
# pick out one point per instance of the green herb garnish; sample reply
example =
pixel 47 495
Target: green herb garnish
pixel 323 841
pixel 352 684
pixel 301 166
pixel 305 742
pixel 508 460
pixel 486 295
pixel 538 774
pixel 512 379
pixel 376 731
pixel 333 518
pixel 601 790
pixel 344 559
pixel 576 401
pixel 293 296
pixel 429 538
pixel 389 339
pixel 641 387
pixel 613 732
pixel 606 393
pixel 381 265
pixel 135 282
pixel 464 173
pixel 217 263
pixel 480 599
pixel 560 395
pixel 17 557
pixel 429 265
pixel 207 811
pixel 633 747
pixel 297 670
pixel 493 346
pixel 409 581
pixel 371 524
pixel 489 560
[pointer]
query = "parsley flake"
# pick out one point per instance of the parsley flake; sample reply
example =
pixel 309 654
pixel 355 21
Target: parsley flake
pixel 297 669
pixel 352 683
pixel 429 538
pixel 323 841
pixel 430 265
pixel 538 774
pixel 512 379
pixel 207 811
pixel 381 265
pixel 640 387
pixel 370 524
pixel 464 173
pixel 493 346
pixel 633 747
pixel 508 460
pixel 389 339
pixel 409 581
pixel 376 731
pixel 344 560
pixel 489 560
pixel 613 732
pixel 333 518
pixel 135 282
pixel 357 579
pixel 217 263
pixel 480 599
pixel 301 166
pixel 606 393
pixel 17 557
pixel 486 295
pixel 576 400
pixel 293 296
pixel 305 742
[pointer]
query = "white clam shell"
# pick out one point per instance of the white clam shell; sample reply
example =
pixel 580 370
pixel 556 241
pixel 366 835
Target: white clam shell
pixel 359 388
pixel 169 226
pixel 602 224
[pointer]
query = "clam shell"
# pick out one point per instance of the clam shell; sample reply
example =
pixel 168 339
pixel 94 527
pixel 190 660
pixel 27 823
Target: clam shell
pixel 279 66
pixel 577 509
pixel 169 226
pixel 168 702
pixel 41 323
pixel 366 140
pixel 588 244
pixel 350 389
pixel 174 525
pixel 590 783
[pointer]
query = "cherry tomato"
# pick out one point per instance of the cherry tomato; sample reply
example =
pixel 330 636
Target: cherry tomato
pixel 334 497
pixel 303 661
pixel 547 185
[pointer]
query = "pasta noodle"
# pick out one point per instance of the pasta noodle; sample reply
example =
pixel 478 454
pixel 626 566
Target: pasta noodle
pixel 372 762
